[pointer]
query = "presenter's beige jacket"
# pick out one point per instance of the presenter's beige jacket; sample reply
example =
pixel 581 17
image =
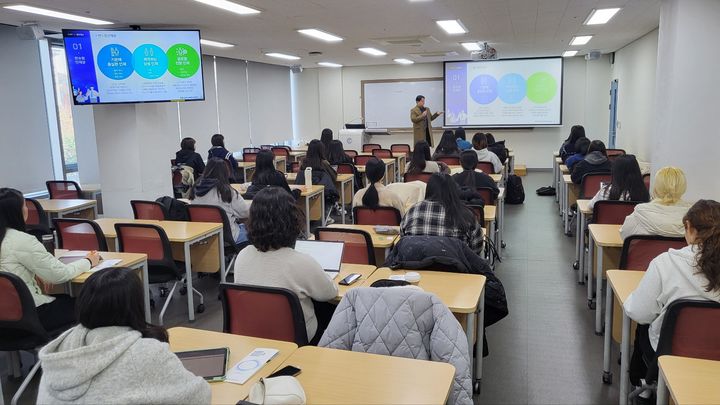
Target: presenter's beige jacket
pixel 420 124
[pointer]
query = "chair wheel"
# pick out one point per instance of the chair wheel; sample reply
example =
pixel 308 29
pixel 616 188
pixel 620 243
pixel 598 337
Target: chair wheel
pixel 183 291
pixel 591 305
pixel 476 387
pixel 503 244
pixel 200 308
pixel 163 292
pixel 607 378
pixel 576 265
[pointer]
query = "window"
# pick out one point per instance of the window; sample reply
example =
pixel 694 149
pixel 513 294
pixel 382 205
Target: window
pixel 64 104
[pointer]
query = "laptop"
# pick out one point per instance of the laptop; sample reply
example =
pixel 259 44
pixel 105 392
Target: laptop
pixel 328 254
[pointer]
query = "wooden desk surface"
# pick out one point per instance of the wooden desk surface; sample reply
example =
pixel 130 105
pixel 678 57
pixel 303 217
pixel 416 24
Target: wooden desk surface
pixel 304 192
pixel 90 188
pixel 331 376
pixel 556 155
pixel 60 206
pixel 567 179
pixel 395 155
pixel 623 282
pixel 341 177
pixel 564 169
pixel 379 241
pixel 246 165
pixel 128 260
pixel 184 339
pixel 490 211
pixel 584 206
pixel 364 270
pixel 296 153
pixel 606 235
pixel 177 231
pixel 459 291
pixel 691 381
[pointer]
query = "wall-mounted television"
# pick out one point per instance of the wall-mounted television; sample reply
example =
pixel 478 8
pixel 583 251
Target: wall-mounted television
pixel 134 66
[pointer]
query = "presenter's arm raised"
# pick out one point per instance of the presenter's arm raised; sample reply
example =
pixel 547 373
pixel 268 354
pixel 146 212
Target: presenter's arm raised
pixel 437 114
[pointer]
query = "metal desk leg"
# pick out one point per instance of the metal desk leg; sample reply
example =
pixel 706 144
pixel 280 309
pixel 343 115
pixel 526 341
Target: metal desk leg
pixel 307 214
pixel 581 252
pixel 624 359
pixel 480 333
pixel 662 390
pixel 188 280
pixel 598 292
pixel 322 205
pixel 146 292
pixel 223 269
pixel 556 169
pixel 589 271
pixel 578 231
pixel 607 349
pixel 342 201
pixel 566 217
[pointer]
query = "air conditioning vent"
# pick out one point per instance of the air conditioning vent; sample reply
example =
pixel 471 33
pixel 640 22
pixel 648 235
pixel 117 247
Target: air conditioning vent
pixel 407 41
pixel 439 54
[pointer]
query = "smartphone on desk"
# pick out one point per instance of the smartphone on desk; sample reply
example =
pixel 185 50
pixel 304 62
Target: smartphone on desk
pixel 287 370
pixel 351 278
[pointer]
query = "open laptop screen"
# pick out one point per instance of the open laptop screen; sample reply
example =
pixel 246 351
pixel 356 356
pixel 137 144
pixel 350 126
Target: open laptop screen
pixel 328 254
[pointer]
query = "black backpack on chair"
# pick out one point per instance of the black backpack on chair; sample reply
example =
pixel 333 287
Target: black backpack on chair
pixel 514 191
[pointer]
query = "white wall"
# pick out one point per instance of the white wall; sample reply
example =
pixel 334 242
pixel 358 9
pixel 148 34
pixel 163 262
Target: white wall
pixel 337 101
pixel 634 68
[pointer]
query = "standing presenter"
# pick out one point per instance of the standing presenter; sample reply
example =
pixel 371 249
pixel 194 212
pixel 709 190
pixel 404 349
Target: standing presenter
pixel 422 118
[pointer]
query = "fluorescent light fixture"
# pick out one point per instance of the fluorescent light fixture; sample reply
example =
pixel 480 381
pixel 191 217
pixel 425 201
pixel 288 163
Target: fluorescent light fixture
pixel 403 61
pixel 57 14
pixel 471 46
pixel 580 40
pixel 216 44
pixel 330 64
pixel 282 56
pixel 601 16
pixel 230 6
pixel 325 36
pixel 452 27
pixel 372 51
pixel 569 54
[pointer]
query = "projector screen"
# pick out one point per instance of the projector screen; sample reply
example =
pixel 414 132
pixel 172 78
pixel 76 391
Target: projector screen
pixel 504 93
pixel 134 66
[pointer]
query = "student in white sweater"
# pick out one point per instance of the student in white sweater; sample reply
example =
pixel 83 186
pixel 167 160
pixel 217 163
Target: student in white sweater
pixel 271 260
pixel 663 215
pixel 420 161
pixel 376 194
pixel 113 356
pixel 480 145
pixel 689 273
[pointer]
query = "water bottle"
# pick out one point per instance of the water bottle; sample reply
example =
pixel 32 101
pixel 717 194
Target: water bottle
pixel 49 242
pixel 308 178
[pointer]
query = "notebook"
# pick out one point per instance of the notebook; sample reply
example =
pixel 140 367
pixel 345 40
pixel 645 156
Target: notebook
pixel 328 254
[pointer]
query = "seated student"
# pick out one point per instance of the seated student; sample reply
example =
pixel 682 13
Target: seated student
pixel 663 215
pixel 480 146
pixel 469 179
pixel 595 161
pixel 113 355
pixel 273 227
pixel 376 194
pixel 627 183
pixel 498 148
pixel 447 147
pixel 315 159
pixel 188 157
pixel 420 161
pixel 461 139
pixel 266 175
pixel 692 272
pixel 443 213
pixel 326 137
pixel 218 151
pixel 568 146
pixel 213 188
pixel 581 148
pixel 24 256
pixel 336 154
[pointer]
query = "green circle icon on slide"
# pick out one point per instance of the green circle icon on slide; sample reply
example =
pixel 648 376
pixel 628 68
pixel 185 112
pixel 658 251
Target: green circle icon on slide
pixel 183 60
pixel 541 87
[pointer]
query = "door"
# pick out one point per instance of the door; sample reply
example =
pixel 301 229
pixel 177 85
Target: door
pixel 613 113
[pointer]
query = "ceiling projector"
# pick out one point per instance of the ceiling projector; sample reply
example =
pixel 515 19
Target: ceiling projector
pixel 486 52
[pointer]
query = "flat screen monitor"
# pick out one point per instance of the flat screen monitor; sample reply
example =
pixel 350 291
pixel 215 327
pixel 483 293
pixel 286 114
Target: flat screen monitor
pixel 134 66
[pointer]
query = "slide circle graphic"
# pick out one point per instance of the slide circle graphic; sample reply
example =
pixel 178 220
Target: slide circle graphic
pixel 150 61
pixel 483 89
pixel 115 61
pixel 183 61
pixel 511 88
pixel 541 87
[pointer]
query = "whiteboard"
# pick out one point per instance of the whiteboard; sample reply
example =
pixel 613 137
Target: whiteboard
pixel 387 103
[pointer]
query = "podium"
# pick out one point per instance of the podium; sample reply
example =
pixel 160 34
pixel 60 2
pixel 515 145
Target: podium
pixel 353 138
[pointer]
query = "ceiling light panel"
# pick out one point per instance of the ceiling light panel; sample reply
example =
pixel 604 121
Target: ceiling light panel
pixel 403 61
pixel 322 35
pixel 230 6
pixel 471 46
pixel 57 14
pixel 601 16
pixel 452 27
pixel 330 64
pixel 282 56
pixel 569 54
pixel 217 44
pixel 372 51
pixel 580 40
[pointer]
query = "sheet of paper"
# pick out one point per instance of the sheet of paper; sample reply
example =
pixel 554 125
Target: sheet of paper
pixel 75 253
pixel 248 366
pixel 106 263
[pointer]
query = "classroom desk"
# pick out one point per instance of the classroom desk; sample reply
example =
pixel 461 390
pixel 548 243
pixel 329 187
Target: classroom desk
pixel 497 177
pixel 184 339
pixel 490 215
pixel 343 377
pixel 690 381
pixel 248 169
pixel 280 164
pixel 381 243
pixel 557 161
pixel 297 155
pixel 345 185
pixel 92 192
pixel 132 261
pixel 462 293
pixel 389 171
pixel 501 218
pixel 511 161
pixel 605 246
pixel 191 242
pixel 365 271
pixel 400 163
pixel 312 199
pixel 622 283
pixel 55 208
pixel 571 193
pixel 584 212
pixel 562 171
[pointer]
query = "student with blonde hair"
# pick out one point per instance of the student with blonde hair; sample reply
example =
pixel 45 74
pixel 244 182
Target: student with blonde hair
pixel 663 215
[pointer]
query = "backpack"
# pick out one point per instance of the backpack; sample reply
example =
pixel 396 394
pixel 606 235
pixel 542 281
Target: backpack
pixel 514 193
pixel 545 191
pixel 177 210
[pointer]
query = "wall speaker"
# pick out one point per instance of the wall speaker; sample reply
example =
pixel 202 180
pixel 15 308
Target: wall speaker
pixel 593 55
pixel 296 68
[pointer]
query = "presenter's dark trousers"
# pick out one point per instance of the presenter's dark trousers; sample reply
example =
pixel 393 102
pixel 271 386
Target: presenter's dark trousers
pixel 428 136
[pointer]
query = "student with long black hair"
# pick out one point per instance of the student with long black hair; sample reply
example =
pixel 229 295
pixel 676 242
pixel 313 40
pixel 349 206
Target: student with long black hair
pixel 627 183
pixel 188 157
pixel 443 213
pixel 113 355
pixel 336 154
pixel 568 146
pixel 213 188
pixel 421 162
pixel 376 194
pixel 447 147
pixel 581 149
pixel 23 255
pixel 596 161
pixel 315 159
pixel 469 180
pixel 266 175
pixel 326 137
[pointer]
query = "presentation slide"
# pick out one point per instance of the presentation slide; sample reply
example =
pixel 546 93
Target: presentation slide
pixel 504 93
pixel 134 66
